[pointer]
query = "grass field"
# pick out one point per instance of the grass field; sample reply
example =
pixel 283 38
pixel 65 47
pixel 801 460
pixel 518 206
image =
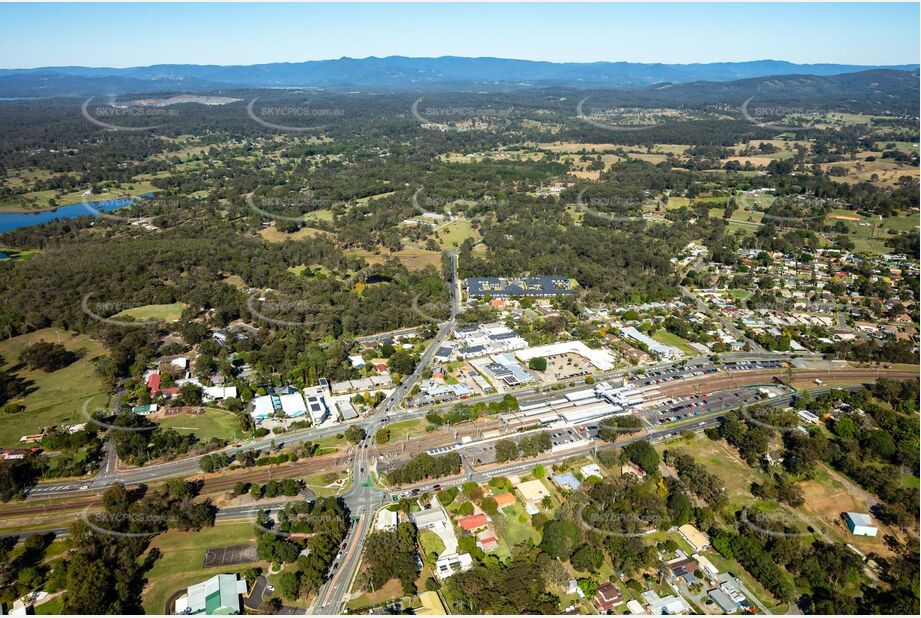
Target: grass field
pixel 214 423
pixel 403 430
pixel 163 313
pixel 663 336
pixel 273 234
pixel 413 258
pixel 455 232
pixel 512 530
pixel 183 554
pixel 391 590
pixel 58 396
pixel 723 461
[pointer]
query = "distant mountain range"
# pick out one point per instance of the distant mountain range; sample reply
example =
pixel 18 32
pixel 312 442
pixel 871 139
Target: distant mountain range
pixel 396 73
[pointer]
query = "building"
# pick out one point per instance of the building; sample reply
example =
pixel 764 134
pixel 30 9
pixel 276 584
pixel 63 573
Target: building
pixel 606 597
pixel 317 408
pixel 567 480
pixel 431 605
pixel 591 470
pixel 534 287
pixel 386 520
pixel 504 500
pixel 264 407
pixel 602 360
pixel 218 596
pixel 695 538
pixel 725 603
pixel 346 410
pixel 659 350
pixel 431 519
pixel 217 393
pixel 487 541
pixel 860 524
pixel 506 369
pixel 533 492
pixel 292 405
pixel 671 605
pixel 449 564
pixel 473 522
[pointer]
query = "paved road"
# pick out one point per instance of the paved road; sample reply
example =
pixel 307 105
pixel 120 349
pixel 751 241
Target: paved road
pixel 363 497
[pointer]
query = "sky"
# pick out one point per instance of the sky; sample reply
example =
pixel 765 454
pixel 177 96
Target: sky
pixel 33 35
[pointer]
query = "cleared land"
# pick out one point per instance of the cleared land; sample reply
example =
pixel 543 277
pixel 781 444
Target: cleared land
pixel 58 397
pixel 164 313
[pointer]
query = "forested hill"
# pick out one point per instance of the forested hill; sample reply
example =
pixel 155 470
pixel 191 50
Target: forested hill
pixel 397 72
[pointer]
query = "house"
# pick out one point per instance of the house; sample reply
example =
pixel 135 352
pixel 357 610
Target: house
pixel 635 608
pixel 670 605
pixel 567 480
pixel 860 524
pixel 487 541
pixel 292 404
pixel 695 538
pixel 533 492
pixel 217 596
pixel 431 605
pixel 217 393
pixel 431 519
pixel 504 500
pixel 145 410
pixel 386 520
pixel 591 470
pixel 606 597
pixel 317 407
pixel 473 522
pixel 357 361
pixel 682 567
pixel 263 407
pixel 449 564
pixel 725 603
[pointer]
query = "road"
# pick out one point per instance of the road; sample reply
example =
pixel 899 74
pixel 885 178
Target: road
pixel 363 497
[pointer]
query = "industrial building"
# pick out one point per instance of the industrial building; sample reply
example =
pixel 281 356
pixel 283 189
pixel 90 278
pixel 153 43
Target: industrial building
pixel 534 287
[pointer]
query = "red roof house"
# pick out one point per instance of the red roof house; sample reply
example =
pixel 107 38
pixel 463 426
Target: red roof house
pixel 472 522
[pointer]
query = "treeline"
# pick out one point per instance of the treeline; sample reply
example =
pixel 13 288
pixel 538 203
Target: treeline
pixel 425 466
pixel 324 522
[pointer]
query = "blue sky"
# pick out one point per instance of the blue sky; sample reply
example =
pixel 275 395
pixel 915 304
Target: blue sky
pixel 140 34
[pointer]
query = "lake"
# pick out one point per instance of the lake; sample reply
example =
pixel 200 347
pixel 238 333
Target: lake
pixel 14 220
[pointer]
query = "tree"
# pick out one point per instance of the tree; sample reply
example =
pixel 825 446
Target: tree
pixel 355 434
pixel 560 538
pixel 643 455
pixel 538 363
pixel 382 436
pixel 587 558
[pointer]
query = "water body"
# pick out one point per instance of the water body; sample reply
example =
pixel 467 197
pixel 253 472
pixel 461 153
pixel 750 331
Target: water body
pixel 14 220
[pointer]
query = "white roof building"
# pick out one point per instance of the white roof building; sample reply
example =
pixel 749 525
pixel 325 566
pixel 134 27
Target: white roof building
pixel 448 565
pixel 386 520
pixel 293 404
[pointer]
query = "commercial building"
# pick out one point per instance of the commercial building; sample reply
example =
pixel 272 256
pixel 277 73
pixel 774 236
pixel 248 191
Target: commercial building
pixel 656 348
pixel 218 596
pixel 860 524
pixel 534 287
pixel 602 360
